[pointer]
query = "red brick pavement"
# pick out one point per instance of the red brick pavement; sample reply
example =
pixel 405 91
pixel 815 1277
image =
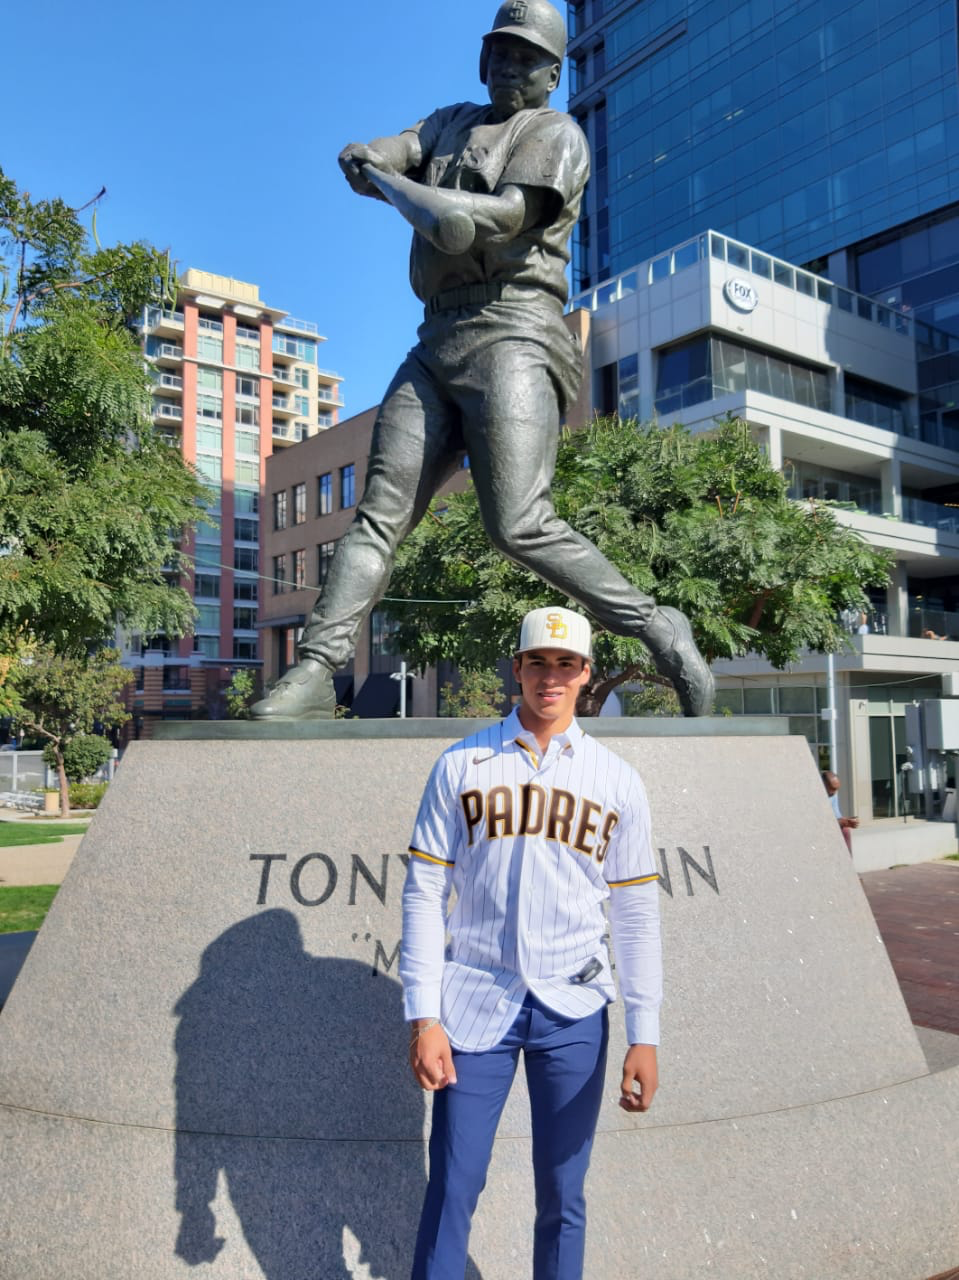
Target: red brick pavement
pixel 917 911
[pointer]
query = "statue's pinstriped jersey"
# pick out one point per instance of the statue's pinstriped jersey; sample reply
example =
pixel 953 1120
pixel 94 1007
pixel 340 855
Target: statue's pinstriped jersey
pixel 533 845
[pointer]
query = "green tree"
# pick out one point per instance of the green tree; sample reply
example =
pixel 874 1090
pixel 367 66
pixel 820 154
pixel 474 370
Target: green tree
pixel 92 499
pixel 62 697
pixel 480 694
pixel 239 693
pixel 83 755
pixel 702 522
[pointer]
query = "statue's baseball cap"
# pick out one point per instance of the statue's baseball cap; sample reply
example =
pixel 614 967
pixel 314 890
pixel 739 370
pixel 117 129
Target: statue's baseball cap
pixel 555 628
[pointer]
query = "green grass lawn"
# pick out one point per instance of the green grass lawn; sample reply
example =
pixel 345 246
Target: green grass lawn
pixel 38 832
pixel 24 907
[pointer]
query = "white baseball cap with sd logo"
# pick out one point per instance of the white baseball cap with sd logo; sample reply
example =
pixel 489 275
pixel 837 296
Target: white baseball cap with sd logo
pixel 555 628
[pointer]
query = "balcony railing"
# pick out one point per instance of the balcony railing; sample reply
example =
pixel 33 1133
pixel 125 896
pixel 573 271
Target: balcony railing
pixel 155 318
pixel 329 395
pixel 168 410
pixel 931 515
pixel 302 326
pixel 168 351
pixel 933 624
pixel 743 258
pixel 171 381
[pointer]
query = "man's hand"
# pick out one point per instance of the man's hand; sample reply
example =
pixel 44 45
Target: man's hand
pixel 352 159
pixel 431 1057
pixel 639 1067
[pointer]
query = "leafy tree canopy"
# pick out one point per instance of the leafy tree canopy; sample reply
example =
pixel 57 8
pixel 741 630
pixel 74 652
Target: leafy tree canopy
pixel 92 500
pixel 702 522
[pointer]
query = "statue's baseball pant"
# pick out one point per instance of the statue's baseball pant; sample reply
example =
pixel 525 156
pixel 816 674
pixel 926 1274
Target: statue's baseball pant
pixel 488 380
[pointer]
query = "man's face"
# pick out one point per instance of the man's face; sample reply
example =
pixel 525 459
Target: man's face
pixel 550 680
pixel 519 75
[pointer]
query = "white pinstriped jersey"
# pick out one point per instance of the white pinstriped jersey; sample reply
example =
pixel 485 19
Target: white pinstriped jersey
pixel 533 845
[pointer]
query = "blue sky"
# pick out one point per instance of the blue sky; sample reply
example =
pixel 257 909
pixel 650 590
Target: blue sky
pixel 215 128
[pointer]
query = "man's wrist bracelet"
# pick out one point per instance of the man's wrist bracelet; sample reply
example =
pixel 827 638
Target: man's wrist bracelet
pixel 428 1025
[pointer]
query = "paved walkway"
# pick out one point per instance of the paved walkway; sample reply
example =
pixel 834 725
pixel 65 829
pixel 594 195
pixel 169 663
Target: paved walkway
pixel 917 911
pixel 38 863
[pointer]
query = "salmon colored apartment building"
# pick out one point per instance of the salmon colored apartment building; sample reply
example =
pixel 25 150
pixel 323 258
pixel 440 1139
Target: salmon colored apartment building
pixel 235 380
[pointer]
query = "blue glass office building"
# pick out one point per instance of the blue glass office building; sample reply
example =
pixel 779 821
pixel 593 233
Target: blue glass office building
pixel 802 128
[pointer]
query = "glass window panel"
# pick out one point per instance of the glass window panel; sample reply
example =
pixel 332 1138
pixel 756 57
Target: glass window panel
pixel 796 700
pixel 761 265
pixel 736 255
pixel 824 291
pixel 805 284
pixel 845 299
pixel 757 702
pixel 783 274
pixel 246 470
pixel 717 247
pixel 730 700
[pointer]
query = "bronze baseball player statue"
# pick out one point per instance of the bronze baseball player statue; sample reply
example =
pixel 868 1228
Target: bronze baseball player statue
pixel 492 193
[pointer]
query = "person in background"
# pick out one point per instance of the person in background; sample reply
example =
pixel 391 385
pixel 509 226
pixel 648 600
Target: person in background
pixel 846 825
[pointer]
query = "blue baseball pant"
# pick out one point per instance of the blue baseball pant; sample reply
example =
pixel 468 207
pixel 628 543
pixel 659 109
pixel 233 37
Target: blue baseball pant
pixel 565 1064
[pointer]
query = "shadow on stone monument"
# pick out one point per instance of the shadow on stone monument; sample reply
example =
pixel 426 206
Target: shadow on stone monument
pixel 285 1047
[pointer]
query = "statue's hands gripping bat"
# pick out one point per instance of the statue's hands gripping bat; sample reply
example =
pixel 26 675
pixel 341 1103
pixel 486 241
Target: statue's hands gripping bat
pixel 441 216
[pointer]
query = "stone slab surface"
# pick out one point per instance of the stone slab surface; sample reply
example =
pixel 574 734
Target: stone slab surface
pixel 859 1189
pixel 213 1003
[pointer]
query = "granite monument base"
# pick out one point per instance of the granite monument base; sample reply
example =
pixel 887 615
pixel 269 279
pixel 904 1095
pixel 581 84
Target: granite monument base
pixel 203 1062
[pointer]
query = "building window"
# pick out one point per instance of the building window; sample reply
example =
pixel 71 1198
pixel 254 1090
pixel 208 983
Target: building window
pixel 348 486
pixel 209 348
pixel 246 502
pixel 324 494
pixel 246 559
pixel 246 415
pixel 280 579
pixel 208 617
pixel 246 444
pixel 244 650
pixel 210 468
pixel 299 503
pixel 244 618
pixel 299 568
pixel 208 646
pixel 206 557
pixel 324 558
pixel 209 407
pixel 246 471
pixel 302 378
pixel 301 405
pixel 279 510
pixel 247 357
pixel 382 632
pixel 249 387
pixel 209 439
pixel 209 379
pixel 245 589
pixel 246 530
pixel 207 584
pixel 176 677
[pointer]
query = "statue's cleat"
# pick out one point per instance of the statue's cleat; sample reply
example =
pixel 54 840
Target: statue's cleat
pixel 669 639
pixel 305 692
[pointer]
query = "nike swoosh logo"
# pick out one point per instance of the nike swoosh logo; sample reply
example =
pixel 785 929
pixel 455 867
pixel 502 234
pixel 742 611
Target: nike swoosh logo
pixel 483 759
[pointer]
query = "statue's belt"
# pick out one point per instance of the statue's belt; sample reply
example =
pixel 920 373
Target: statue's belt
pixel 478 295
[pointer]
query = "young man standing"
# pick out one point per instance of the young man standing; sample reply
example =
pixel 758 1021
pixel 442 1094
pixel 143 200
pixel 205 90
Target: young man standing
pixel 534 825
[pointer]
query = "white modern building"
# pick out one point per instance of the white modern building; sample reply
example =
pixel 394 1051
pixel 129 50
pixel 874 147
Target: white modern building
pixel 827 380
